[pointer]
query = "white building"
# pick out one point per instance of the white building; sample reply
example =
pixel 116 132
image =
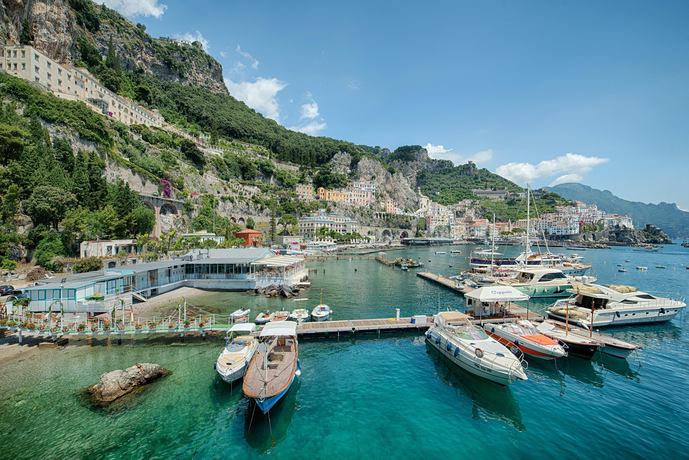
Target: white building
pixel 75 84
pixel 308 226
pixel 203 235
pixel 617 220
pixel 106 248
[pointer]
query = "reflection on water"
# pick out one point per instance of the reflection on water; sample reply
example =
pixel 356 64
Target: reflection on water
pixel 581 370
pixel 264 432
pixel 491 401
pixel 619 366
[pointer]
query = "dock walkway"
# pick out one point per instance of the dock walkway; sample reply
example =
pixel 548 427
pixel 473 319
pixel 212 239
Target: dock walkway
pixel 353 326
pixel 442 280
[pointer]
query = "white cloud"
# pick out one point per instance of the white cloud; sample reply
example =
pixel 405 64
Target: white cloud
pixel 313 127
pixel 223 54
pixel 189 37
pixel 567 178
pixel 246 55
pixel 440 152
pixel 436 149
pixel 309 110
pixel 260 95
pixel 568 167
pixel 133 8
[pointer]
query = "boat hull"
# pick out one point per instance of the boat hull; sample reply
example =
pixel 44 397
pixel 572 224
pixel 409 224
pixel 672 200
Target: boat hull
pixel 530 349
pixel 469 365
pixel 320 318
pixel 233 375
pixel 546 292
pixel 268 403
pixel 612 318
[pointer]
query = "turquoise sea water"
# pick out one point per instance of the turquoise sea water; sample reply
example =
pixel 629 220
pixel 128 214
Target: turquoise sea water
pixel 392 397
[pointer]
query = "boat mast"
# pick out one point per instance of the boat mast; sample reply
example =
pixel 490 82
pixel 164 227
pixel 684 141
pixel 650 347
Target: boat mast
pixel 492 250
pixel 527 248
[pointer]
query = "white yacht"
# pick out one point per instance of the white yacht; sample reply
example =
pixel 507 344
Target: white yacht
pixel 598 305
pixel 240 347
pixel 470 348
pixel 540 282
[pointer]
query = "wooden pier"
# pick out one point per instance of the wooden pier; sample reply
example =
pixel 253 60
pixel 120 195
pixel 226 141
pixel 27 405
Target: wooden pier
pixel 442 280
pixel 354 326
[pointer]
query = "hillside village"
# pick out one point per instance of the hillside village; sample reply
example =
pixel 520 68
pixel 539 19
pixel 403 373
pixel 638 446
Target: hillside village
pixel 202 188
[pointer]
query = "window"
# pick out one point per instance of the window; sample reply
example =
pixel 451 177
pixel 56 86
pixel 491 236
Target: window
pixel 23 65
pixel 37 79
pixel 71 294
pixel 36 69
pixel 23 54
pixel 35 56
pixel 41 294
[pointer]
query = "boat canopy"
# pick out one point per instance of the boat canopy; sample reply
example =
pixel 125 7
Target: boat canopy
pixel 493 294
pixel 243 327
pixel 279 328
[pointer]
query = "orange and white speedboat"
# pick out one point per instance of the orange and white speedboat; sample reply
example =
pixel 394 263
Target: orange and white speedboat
pixel 523 335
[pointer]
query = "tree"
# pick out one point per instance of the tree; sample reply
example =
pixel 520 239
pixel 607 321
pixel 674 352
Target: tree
pixel 49 248
pixel 287 220
pixel 192 153
pixel 88 264
pixel 273 229
pixel 48 205
pixel 26 35
pixel 250 223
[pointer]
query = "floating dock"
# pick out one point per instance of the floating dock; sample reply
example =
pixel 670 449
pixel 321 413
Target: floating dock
pixel 353 326
pixel 442 280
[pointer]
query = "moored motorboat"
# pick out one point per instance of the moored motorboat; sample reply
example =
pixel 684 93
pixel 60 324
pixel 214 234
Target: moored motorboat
pixel 596 305
pixel 280 315
pixel 470 348
pixel 274 366
pixel 239 348
pixel 240 316
pixel 529 340
pixel 299 315
pixel 541 282
pixel 321 312
pixel 584 347
pixel 262 318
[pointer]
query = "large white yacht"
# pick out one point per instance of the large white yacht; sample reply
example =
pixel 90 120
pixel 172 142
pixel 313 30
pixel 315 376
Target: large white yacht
pixel 542 282
pixel 598 305
pixel 470 348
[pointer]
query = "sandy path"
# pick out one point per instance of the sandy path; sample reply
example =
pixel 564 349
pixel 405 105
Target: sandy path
pixel 168 299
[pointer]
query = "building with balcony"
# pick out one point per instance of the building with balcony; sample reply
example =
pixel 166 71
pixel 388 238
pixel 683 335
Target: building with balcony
pixel 76 84
pixel 213 269
pixel 308 226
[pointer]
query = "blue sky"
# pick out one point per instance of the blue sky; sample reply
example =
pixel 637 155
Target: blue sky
pixel 539 91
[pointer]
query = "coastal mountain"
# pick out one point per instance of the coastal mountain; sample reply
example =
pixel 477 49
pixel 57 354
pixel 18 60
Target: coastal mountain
pixel 667 216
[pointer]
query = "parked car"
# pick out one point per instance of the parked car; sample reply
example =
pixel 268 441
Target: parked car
pixel 6 289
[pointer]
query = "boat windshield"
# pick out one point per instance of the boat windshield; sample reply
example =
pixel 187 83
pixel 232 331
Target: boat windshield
pixel 470 333
pixel 238 343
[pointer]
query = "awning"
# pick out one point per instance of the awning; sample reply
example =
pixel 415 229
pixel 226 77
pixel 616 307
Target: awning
pixel 492 294
pixel 279 328
pixel 243 327
pixel 278 261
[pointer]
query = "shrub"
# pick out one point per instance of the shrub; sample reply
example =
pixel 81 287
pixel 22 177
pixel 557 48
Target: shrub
pixel 88 264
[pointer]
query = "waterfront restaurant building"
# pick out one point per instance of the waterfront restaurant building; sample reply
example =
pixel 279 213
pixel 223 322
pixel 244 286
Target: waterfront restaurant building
pixel 237 269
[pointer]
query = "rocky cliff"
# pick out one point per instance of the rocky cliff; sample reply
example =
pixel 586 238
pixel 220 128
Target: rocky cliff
pixel 57 26
pixel 626 236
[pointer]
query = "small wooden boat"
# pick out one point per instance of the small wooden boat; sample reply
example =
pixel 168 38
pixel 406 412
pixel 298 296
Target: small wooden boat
pixel 622 270
pixel 262 318
pixel 299 315
pixel 240 316
pixel 280 315
pixel 641 268
pixel 440 252
pixel 321 312
pixel 240 347
pixel 274 366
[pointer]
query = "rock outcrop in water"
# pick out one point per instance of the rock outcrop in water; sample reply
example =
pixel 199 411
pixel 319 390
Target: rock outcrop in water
pixel 115 384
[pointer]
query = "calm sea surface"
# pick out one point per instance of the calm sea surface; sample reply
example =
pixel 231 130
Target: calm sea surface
pixel 391 397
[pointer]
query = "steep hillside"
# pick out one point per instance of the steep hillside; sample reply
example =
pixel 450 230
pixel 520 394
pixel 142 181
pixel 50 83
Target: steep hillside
pixel 60 27
pixel 667 216
pixel 180 79
pixel 448 184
